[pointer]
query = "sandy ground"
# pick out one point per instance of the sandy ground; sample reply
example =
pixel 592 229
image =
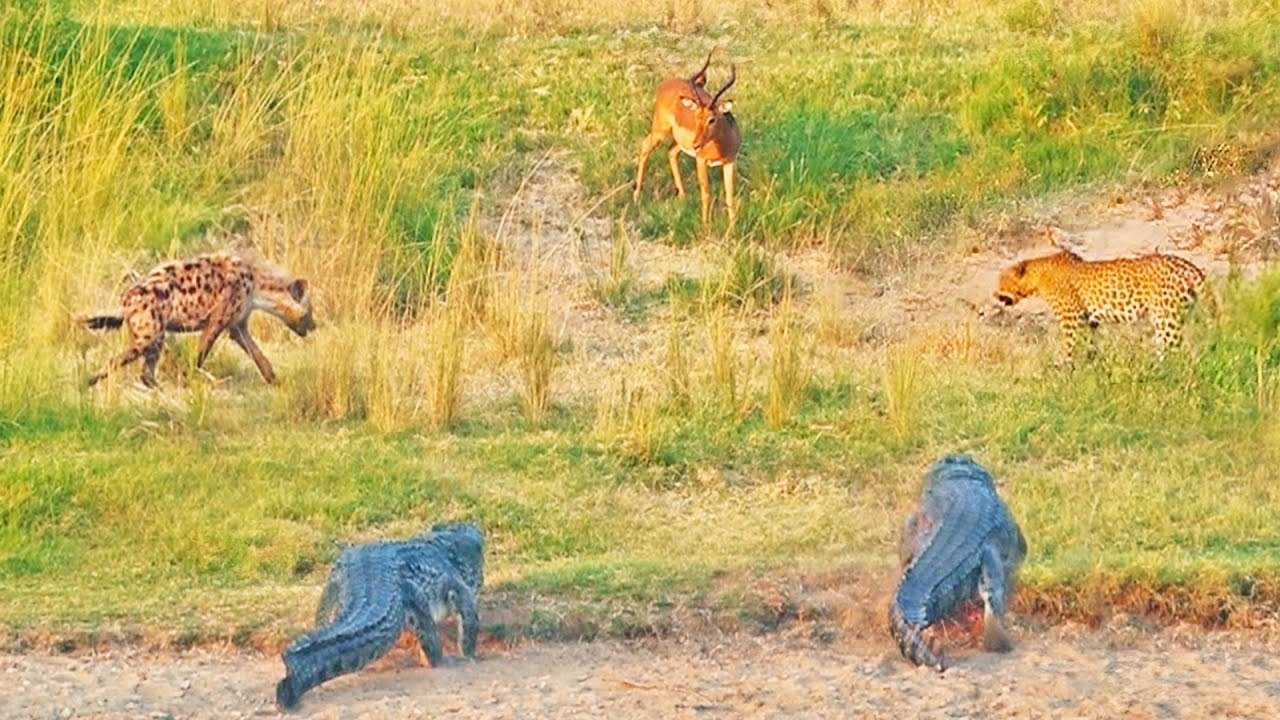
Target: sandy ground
pixel 1061 672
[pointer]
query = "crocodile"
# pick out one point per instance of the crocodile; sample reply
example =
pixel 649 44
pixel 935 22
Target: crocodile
pixel 377 589
pixel 961 543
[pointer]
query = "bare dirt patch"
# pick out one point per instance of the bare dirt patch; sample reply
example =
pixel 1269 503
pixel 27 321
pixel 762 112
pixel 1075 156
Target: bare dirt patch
pixel 1064 672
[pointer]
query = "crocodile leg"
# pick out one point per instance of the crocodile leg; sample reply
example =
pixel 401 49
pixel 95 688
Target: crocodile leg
pixel 992 587
pixel 327 611
pixel 423 624
pixel 469 618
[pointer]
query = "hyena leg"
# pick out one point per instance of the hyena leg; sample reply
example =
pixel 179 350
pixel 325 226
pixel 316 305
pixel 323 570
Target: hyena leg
pixel 133 353
pixel 240 334
pixel 207 338
pixel 144 331
pixel 150 356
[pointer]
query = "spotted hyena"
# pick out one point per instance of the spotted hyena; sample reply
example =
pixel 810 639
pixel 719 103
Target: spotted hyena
pixel 210 294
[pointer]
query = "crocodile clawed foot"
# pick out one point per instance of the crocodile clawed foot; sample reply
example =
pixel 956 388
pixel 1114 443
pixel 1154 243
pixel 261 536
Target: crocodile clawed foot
pixel 286 696
pixel 995 638
pixel 940 660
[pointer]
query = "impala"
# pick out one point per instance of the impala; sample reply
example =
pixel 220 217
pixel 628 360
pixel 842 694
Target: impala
pixel 702 126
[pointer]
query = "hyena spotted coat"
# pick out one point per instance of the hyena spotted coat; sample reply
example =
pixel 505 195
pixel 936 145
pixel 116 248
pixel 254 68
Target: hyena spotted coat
pixel 211 294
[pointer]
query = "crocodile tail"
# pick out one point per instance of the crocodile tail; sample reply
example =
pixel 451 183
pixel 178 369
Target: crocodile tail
pixel 341 648
pixel 104 322
pixel 911 641
pixel 287 693
pixel 366 627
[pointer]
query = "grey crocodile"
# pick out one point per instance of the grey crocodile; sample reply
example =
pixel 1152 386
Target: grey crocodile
pixel 961 543
pixel 376 590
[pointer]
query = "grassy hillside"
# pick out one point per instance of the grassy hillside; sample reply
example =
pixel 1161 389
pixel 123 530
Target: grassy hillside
pixel 372 152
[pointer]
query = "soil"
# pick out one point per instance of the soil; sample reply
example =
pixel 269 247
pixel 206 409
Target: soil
pixel 1062 672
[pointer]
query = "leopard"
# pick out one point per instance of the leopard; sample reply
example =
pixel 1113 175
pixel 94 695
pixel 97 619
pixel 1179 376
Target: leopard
pixel 1084 293
pixel 212 294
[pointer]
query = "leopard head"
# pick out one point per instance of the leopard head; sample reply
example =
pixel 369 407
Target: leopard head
pixel 1014 285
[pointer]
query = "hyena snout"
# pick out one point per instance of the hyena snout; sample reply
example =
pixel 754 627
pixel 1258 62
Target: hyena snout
pixel 303 325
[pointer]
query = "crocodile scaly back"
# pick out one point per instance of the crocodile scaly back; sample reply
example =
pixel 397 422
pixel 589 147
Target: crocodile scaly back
pixel 960 515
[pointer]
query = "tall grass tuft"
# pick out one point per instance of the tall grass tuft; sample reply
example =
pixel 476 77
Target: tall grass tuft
pixel 751 278
pixel 396 380
pixel 629 421
pixel 616 288
pixel 726 375
pixel 1157 26
pixel 446 355
pixel 331 383
pixel 1242 352
pixel 676 365
pixel 474 271
pixel 834 328
pixel 788 375
pixel 536 359
pixel 902 387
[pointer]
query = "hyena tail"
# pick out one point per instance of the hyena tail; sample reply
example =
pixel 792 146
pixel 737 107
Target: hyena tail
pixel 104 322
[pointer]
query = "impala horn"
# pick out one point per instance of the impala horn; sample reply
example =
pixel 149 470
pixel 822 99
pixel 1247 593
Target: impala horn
pixel 699 78
pixel 733 76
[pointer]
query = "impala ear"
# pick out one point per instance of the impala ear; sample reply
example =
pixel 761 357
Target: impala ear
pixel 725 107
pixel 689 103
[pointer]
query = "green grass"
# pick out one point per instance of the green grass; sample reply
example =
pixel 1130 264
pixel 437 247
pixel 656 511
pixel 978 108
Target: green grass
pixel 1119 472
pixel 356 151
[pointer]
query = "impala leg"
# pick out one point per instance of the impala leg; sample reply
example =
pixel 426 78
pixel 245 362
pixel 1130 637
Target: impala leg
pixel 646 148
pixel 729 173
pixel 704 189
pixel 673 157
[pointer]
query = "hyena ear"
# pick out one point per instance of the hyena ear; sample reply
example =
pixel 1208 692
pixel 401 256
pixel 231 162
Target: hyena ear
pixel 298 289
